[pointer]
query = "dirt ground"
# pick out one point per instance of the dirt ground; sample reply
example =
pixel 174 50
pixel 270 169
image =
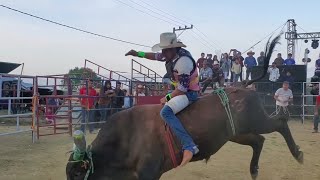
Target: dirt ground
pixel 46 159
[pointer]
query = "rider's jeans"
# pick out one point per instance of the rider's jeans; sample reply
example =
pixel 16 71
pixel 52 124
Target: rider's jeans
pixel 168 112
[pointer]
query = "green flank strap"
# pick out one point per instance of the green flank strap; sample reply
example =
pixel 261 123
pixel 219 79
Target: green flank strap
pixel 225 102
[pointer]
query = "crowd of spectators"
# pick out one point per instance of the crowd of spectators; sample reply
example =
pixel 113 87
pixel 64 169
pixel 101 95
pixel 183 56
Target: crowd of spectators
pixel 229 68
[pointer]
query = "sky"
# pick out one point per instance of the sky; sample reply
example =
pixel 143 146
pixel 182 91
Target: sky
pixel 220 26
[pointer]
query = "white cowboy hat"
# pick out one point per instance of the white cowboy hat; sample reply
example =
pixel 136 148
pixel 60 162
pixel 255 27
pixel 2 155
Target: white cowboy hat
pixel 167 40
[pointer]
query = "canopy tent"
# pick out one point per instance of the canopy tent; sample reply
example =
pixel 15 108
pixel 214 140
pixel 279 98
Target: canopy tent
pixel 6 67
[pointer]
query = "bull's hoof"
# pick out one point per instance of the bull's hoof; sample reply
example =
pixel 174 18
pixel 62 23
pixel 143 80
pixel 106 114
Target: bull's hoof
pixel 300 157
pixel 254 176
pixel 254 172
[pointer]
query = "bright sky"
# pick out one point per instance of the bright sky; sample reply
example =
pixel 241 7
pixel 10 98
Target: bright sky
pixel 49 49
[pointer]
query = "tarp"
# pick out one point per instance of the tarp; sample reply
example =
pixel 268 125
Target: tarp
pixel 6 67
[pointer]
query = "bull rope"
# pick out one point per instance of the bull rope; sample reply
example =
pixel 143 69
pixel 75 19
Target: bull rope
pixel 278 109
pixel 78 156
pixel 226 103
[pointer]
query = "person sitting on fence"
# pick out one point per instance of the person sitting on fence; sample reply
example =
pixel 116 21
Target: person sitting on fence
pixel 87 105
pixel 283 96
pixel 205 76
pixel 106 95
pixel 217 74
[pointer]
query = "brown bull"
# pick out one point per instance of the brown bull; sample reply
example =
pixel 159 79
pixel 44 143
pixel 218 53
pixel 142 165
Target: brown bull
pixel 131 145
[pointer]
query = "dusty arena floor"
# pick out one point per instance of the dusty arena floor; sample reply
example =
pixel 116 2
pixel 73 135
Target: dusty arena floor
pixel 46 160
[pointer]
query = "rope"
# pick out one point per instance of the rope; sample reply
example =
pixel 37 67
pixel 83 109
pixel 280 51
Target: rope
pixel 225 102
pixel 169 140
pixel 91 168
pixel 277 111
pixel 78 156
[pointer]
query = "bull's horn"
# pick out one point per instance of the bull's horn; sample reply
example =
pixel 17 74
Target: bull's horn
pixel 79 140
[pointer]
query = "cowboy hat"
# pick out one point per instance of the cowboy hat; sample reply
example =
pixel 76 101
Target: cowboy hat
pixel 167 40
pixel 250 52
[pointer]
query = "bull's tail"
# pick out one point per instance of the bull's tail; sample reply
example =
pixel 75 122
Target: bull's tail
pixel 268 51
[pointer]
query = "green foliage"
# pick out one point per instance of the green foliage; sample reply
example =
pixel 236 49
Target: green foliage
pixel 78 76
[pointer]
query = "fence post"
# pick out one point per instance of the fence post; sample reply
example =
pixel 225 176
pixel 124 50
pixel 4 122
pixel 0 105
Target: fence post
pixel 70 107
pixel 9 106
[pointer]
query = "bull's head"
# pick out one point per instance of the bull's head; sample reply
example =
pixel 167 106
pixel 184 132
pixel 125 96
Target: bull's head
pixel 79 164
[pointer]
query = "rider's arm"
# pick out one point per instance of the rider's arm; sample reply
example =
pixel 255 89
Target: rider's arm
pixel 146 55
pixel 183 69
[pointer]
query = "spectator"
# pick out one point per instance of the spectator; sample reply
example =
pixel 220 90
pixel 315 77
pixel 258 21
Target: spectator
pixel 217 74
pixel 274 73
pixel 205 76
pixel 316 118
pixel 318 62
pixel 210 60
pixel 87 105
pixel 225 66
pixel 138 92
pixel 236 70
pixel 241 62
pixel 127 100
pixel 200 61
pixel 215 58
pixel 283 96
pixel 260 59
pixel 288 78
pixel 289 60
pixel 118 100
pixel 233 58
pixel 249 62
pixel 50 109
pixel 279 60
pixel 105 99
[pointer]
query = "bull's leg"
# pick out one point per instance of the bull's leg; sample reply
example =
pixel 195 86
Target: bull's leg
pixel 294 149
pixel 256 142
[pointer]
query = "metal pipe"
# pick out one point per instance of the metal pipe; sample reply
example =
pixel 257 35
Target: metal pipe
pixel 14 98
pixel 303 103
pixel 16 115
pixel 16 132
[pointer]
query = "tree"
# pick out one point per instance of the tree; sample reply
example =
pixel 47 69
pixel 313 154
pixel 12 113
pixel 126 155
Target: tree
pixel 77 77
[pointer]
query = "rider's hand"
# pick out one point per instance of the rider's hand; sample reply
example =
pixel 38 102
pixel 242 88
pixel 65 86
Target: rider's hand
pixel 163 100
pixel 132 53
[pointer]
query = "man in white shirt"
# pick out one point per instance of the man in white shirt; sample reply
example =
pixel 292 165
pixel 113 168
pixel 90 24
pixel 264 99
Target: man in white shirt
pixel 274 73
pixel 283 96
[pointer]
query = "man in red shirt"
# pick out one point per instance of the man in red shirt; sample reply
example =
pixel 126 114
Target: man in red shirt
pixel 200 61
pixel 87 104
pixel 316 115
